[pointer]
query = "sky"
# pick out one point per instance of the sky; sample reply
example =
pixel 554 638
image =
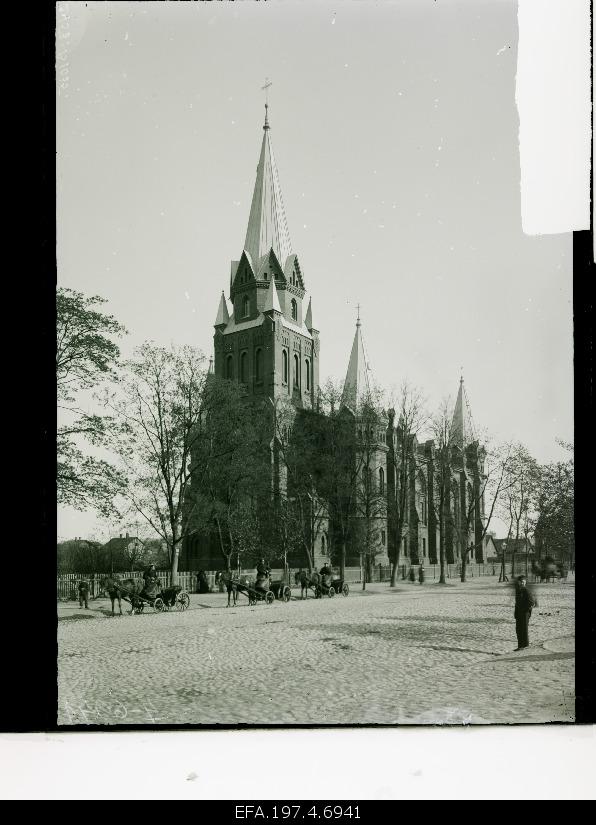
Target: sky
pixel 395 132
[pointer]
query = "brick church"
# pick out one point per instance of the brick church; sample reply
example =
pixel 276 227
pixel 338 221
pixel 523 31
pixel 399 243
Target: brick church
pixel 265 339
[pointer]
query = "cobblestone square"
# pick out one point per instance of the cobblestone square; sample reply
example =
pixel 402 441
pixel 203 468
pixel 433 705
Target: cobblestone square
pixel 415 654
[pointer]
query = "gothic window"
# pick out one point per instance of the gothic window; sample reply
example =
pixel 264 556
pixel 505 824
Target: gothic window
pixel 259 365
pixel 307 372
pixel 245 306
pixel 230 367
pixel 294 310
pixel 296 371
pixel 243 368
pixel 383 538
pixel 381 482
pixel 284 367
pixel 323 544
pixel 424 548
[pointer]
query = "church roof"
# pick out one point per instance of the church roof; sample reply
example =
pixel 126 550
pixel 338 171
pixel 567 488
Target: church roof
pixel 242 325
pixel 357 384
pixel 267 224
pixel 272 301
pixel 462 428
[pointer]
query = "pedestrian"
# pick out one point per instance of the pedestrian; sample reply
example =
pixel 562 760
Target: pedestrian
pixel 524 602
pixel 84 594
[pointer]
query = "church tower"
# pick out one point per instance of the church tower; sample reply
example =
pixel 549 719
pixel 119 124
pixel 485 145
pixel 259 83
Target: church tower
pixel 267 342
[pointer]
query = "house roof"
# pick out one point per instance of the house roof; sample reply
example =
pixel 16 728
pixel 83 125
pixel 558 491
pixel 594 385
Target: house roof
pixel 519 545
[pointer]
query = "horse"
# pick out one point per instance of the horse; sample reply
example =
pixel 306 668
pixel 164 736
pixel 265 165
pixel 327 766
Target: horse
pixel 231 587
pixel 314 580
pixel 114 586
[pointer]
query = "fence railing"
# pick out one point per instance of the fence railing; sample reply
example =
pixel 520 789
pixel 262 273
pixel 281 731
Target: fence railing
pixel 68 583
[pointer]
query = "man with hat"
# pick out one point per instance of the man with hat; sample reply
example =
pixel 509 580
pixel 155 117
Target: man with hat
pixel 524 602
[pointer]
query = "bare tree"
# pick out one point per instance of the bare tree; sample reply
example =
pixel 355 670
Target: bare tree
pixel 411 418
pixel 490 485
pixel 157 411
pixel 442 429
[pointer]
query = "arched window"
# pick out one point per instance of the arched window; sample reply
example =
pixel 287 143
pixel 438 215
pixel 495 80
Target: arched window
pixel 296 371
pixel 245 306
pixel 294 310
pixel 259 365
pixel 322 544
pixel 230 367
pixel 284 367
pixel 381 480
pixel 244 368
pixel 307 372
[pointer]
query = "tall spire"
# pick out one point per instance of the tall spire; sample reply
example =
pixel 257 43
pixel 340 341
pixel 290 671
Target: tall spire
pixel 267 224
pixel 223 316
pixel 462 428
pixel 308 320
pixel 357 384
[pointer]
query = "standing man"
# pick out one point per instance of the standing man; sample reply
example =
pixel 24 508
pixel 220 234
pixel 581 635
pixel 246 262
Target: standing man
pixel 84 594
pixel 524 602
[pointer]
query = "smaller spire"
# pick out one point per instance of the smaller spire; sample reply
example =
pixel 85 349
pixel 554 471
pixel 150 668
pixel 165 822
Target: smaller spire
pixel 308 319
pixel 358 318
pixel 211 369
pixel 223 316
pixel 272 302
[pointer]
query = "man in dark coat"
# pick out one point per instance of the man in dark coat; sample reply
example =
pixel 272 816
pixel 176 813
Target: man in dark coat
pixel 84 594
pixel 524 602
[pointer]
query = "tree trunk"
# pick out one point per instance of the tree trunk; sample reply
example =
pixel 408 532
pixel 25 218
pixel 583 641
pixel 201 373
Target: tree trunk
pixel 442 579
pixel 174 568
pixel 342 560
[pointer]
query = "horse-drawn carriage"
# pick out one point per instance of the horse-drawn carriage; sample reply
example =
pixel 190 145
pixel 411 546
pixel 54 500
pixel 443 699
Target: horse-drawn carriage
pixel 323 585
pixel 258 591
pixel 141 594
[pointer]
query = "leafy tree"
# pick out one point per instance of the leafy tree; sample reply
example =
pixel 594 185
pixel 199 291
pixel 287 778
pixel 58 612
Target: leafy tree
pixel 85 356
pixel 555 516
pixel 519 498
pixel 231 487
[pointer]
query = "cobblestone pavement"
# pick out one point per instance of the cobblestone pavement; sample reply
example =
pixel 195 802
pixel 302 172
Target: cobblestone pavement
pixel 427 654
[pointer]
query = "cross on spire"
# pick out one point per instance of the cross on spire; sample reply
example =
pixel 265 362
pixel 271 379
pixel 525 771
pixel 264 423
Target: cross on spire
pixel 265 88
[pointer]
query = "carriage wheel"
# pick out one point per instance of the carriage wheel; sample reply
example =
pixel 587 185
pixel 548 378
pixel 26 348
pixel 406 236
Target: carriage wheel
pixel 269 597
pixel 345 590
pixel 138 608
pixel 286 594
pixel 331 592
pixel 182 601
pixel 158 605
pixel 252 600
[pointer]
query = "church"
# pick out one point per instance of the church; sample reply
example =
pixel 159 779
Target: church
pixel 265 339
